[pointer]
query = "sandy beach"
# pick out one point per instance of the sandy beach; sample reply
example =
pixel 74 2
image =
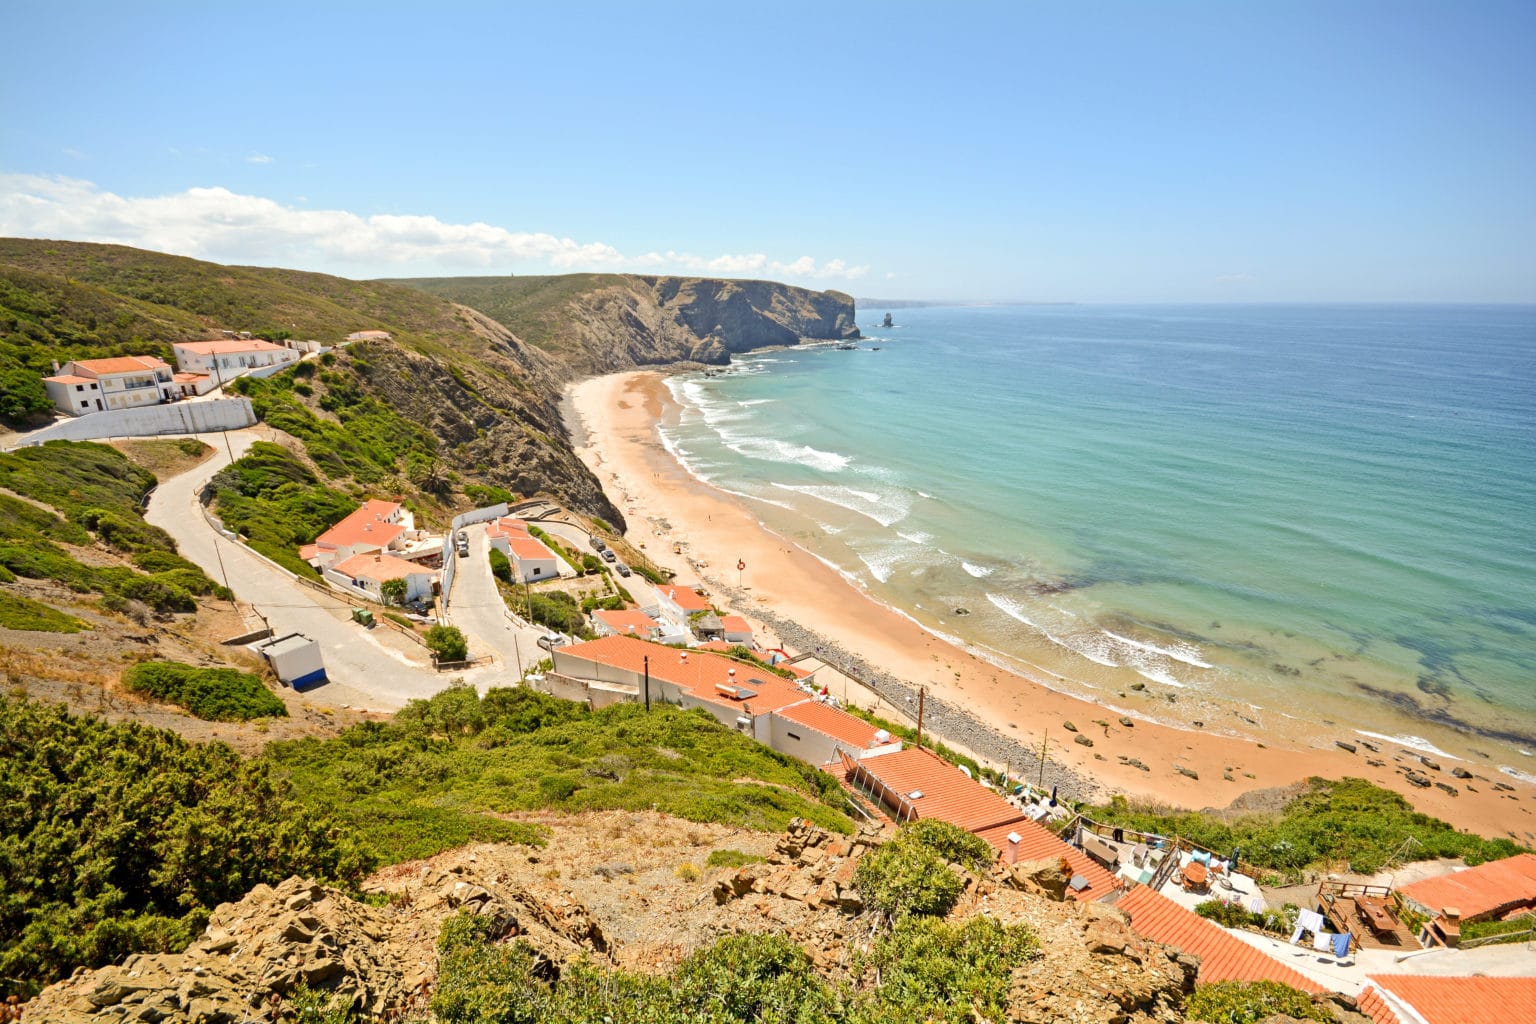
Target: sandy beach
pixel 703 534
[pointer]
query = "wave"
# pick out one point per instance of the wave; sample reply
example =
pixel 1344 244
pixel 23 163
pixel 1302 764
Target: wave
pixel 1187 655
pixel 1158 676
pixel 683 458
pixel 916 536
pixel 1413 742
pixel 756 497
pixel 1014 610
pixel 1516 773
pixel 885 509
pixel 771 449
pixel 979 571
pixel 745 402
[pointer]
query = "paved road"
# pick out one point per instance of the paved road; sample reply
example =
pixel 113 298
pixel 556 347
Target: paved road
pixel 377 668
pixel 476 607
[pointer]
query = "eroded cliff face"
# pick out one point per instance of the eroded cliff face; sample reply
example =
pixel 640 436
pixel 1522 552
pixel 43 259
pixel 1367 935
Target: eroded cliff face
pixel 602 323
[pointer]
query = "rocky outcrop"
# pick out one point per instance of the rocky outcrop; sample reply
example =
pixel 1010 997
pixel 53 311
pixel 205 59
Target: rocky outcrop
pixel 378 961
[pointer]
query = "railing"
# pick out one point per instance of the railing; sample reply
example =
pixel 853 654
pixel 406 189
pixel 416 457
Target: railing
pixel 876 790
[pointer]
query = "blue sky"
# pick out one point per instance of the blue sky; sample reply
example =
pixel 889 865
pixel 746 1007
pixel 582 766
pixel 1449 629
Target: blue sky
pixel 1095 152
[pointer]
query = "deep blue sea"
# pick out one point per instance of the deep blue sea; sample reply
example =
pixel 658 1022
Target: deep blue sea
pixel 1280 511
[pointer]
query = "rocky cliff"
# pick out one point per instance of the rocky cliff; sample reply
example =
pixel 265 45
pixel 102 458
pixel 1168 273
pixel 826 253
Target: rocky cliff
pixel 598 323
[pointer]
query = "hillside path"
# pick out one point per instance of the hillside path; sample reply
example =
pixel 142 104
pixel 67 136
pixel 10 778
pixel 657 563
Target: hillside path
pixel 376 669
pixel 476 607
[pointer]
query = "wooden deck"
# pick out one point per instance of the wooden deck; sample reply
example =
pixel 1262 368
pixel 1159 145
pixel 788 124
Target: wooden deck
pixel 1343 913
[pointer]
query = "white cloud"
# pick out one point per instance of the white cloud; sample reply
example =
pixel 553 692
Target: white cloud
pixel 224 226
pixel 258 158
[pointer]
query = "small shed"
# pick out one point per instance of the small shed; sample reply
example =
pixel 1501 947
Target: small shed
pixel 296 660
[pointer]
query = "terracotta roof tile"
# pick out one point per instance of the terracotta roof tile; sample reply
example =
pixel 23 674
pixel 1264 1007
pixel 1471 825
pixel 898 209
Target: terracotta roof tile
pixel 947 794
pixel 629 620
pixel 366 525
pixel 69 378
pixel 228 347
pixel 528 547
pixel 686 598
pixel 379 568
pixel 735 624
pixel 1466 1000
pixel 1478 890
pixel 1223 957
pixel 830 721
pixel 1036 842
pixel 120 364
pixel 508 527
pixel 699 672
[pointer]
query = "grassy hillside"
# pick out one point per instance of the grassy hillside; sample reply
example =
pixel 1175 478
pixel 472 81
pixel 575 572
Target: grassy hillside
pixel 530 307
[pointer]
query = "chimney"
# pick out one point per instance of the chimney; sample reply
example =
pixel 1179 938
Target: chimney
pixel 55 366
pixel 1011 856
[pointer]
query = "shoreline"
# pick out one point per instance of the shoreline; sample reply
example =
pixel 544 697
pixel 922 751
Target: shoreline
pixel 703 533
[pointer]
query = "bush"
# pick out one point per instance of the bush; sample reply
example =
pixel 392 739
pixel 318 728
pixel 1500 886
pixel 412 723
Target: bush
pixel 951 842
pixel 910 874
pixel 447 643
pixel 1246 1002
pixel 481 983
pixel 213 694
pixel 17 612
pixel 932 971
pixel 732 859
pixel 501 565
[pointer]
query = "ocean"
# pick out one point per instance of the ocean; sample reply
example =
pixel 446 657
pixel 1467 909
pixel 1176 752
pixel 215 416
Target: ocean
pixel 1242 513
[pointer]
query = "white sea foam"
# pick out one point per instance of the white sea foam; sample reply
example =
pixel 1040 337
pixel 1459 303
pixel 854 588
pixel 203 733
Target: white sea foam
pixel 915 536
pixel 683 457
pixel 1016 611
pixel 747 402
pixel 882 561
pixel 885 509
pixel 1516 773
pixel 757 497
pixel 771 449
pixel 1178 652
pixel 1415 742
pixel 1158 676
pixel 978 571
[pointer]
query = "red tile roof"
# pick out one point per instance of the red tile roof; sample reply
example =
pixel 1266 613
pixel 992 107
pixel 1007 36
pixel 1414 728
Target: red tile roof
pixel 182 377
pixel 120 364
pixel 209 348
pixel 630 620
pixel 378 567
pixel 686 598
pixel 1478 1000
pixel 528 547
pixel 947 794
pixel 1036 842
pixel 1478 890
pixel 1223 957
pixel 366 525
pixel 735 624
pixel 698 672
pixel 830 721
pixel 69 378
pixel 508 527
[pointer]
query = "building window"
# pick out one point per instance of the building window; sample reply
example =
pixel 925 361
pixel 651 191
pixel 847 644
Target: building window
pixel 85 404
pixel 79 387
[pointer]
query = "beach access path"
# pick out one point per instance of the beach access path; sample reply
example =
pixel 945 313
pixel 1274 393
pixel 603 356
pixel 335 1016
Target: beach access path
pixel 785 584
pixel 375 669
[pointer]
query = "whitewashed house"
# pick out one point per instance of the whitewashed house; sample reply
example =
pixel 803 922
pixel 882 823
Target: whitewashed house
pixel 531 560
pixel 227 359
pixel 369 572
pixel 85 386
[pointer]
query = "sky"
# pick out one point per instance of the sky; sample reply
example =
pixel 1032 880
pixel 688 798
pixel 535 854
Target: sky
pixel 1229 151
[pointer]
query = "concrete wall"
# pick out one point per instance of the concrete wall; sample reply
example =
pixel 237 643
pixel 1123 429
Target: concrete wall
pixel 176 418
pixel 595 695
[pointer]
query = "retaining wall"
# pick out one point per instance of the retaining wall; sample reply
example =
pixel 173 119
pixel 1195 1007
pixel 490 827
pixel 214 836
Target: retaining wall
pixel 173 418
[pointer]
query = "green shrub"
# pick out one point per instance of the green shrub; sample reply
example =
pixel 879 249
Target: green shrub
pixel 951 842
pixel 447 643
pixel 932 971
pixel 482 983
pixel 732 859
pixel 17 612
pixel 214 694
pixel 501 565
pixel 487 494
pixel 1515 927
pixel 128 836
pixel 1246 1002
pixel 910 874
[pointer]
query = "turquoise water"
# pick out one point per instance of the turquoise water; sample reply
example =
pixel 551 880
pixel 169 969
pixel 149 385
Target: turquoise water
pixel 1292 507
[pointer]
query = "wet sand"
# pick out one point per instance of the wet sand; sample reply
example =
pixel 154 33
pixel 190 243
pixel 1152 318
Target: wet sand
pixel 669 510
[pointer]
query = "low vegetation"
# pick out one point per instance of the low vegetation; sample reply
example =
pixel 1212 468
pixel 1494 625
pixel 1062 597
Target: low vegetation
pixel 277 503
pixel 122 838
pixel 434 777
pixel 1247 1002
pixel 213 694
pixel 923 970
pixel 447 643
pixel 910 875
pixel 1349 820
pixel 95 493
pixel 17 612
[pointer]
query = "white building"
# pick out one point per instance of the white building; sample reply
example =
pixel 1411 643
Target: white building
pixel 225 360
pixel 531 560
pixel 368 573
pixel 94 385
pixel 375 526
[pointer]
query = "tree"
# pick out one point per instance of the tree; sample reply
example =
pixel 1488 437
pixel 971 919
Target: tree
pixel 393 591
pixel 447 643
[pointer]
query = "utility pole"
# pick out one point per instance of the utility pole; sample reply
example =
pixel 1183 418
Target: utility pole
pixel 647 661
pixel 921 693
pixel 517 649
pixel 1045 745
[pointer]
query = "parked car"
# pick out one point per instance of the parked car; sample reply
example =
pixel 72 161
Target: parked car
pixel 598 545
pixel 463 542
pixel 552 640
pixel 609 556
pixel 623 569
